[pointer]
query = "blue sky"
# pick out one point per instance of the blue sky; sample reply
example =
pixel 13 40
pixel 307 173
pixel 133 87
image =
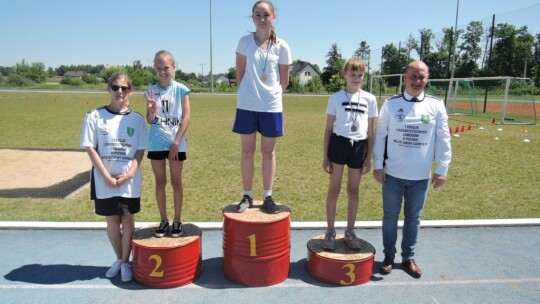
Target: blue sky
pixel 65 32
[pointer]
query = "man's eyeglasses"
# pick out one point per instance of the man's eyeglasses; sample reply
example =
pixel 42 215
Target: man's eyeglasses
pixel 117 87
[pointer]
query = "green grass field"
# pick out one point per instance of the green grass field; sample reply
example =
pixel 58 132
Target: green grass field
pixel 488 178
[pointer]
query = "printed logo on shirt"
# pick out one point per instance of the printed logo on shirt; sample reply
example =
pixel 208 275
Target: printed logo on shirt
pixel 400 116
pixel 104 127
pixel 425 118
pixel 130 131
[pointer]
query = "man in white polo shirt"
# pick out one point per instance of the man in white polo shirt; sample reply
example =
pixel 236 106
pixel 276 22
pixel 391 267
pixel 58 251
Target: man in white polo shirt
pixel 412 131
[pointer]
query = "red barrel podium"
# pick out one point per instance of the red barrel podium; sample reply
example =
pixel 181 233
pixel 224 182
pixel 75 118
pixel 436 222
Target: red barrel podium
pixel 343 266
pixel 256 245
pixel 167 262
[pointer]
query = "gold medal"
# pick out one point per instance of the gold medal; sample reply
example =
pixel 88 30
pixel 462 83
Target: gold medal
pixel 353 129
pixel 263 77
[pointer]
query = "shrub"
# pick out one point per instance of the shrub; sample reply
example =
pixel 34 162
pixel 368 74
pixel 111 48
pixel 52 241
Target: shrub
pixel 72 81
pixel 16 80
pixel 91 79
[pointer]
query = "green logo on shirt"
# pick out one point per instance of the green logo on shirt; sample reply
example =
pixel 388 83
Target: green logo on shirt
pixel 425 119
pixel 130 131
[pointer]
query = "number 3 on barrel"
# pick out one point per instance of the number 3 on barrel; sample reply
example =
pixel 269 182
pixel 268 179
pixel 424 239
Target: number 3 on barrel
pixel 350 274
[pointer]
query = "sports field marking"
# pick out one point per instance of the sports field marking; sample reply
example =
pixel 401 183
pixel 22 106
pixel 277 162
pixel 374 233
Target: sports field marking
pixel 285 285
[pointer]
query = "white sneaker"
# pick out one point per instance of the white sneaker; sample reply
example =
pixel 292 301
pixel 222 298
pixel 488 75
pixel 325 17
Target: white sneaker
pixel 114 270
pixel 127 274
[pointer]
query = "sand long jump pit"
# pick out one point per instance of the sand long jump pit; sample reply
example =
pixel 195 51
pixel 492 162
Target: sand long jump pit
pixel 43 173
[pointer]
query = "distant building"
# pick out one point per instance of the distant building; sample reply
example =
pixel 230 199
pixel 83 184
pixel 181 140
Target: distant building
pixel 219 78
pixel 75 74
pixel 303 70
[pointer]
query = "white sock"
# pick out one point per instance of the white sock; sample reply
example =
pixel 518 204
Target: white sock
pixel 267 193
pixel 248 193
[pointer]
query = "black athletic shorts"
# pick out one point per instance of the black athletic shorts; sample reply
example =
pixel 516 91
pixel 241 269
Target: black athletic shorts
pixel 117 206
pixel 159 155
pixel 342 152
pixel 113 205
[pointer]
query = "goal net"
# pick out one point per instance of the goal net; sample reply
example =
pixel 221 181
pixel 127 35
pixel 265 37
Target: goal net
pixel 507 99
pixel 384 86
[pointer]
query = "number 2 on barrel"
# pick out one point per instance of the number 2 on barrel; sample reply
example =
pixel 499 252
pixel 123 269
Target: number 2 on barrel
pixel 155 272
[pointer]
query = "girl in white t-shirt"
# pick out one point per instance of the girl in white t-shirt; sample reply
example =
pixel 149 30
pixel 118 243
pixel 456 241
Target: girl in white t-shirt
pixel 168 112
pixel 348 140
pixel 262 75
pixel 115 139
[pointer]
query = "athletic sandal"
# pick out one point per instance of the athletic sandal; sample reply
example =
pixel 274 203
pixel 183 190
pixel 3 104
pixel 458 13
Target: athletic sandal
pixel 329 242
pixel 352 241
pixel 244 204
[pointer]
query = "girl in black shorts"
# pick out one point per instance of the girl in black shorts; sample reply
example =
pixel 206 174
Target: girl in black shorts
pixel 115 139
pixel 348 140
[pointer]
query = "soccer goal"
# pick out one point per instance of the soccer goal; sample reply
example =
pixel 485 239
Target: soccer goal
pixel 508 99
pixel 384 86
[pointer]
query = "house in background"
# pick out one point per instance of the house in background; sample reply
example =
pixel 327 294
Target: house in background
pixel 303 70
pixel 218 79
pixel 75 74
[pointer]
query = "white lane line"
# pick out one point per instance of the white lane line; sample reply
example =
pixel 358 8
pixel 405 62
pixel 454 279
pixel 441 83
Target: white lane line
pixel 282 285
pixel 294 225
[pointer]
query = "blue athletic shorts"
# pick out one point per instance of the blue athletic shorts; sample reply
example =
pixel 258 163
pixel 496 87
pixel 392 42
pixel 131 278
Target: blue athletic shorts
pixel 342 152
pixel 268 124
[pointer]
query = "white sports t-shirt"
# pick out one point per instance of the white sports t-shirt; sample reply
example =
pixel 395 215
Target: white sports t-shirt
pixel 256 94
pixel 352 109
pixel 116 137
pixel 412 134
pixel 168 116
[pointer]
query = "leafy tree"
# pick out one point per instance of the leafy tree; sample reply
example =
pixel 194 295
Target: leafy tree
pixel 140 78
pixel 231 73
pixel 111 71
pixel 425 42
pixel 91 79
pixel 336 83
pixel 6 70
pixel 411 44
pixel 35 72
pixel 294 85
pixel 512 50
pixel 392 63
pixel 470 50
pixel 334 63
pixel 363 51
pixel 523 61
pixel 315 85
pixel 438 64
pixel 17 80
pixel 535 70
pixel 72 81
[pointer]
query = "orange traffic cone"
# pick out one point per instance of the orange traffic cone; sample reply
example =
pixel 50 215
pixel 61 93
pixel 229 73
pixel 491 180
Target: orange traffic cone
pixel 469 128
pixel 462 128
pixel 457 130
pixel 493 120
pixel 450 129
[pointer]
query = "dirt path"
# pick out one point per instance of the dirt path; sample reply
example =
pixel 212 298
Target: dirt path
pixel 36 169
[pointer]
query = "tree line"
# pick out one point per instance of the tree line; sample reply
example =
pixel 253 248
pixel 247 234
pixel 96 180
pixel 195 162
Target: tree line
pixel 502 50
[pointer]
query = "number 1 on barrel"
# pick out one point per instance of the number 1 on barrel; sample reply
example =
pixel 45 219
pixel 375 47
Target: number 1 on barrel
pixel 252 245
